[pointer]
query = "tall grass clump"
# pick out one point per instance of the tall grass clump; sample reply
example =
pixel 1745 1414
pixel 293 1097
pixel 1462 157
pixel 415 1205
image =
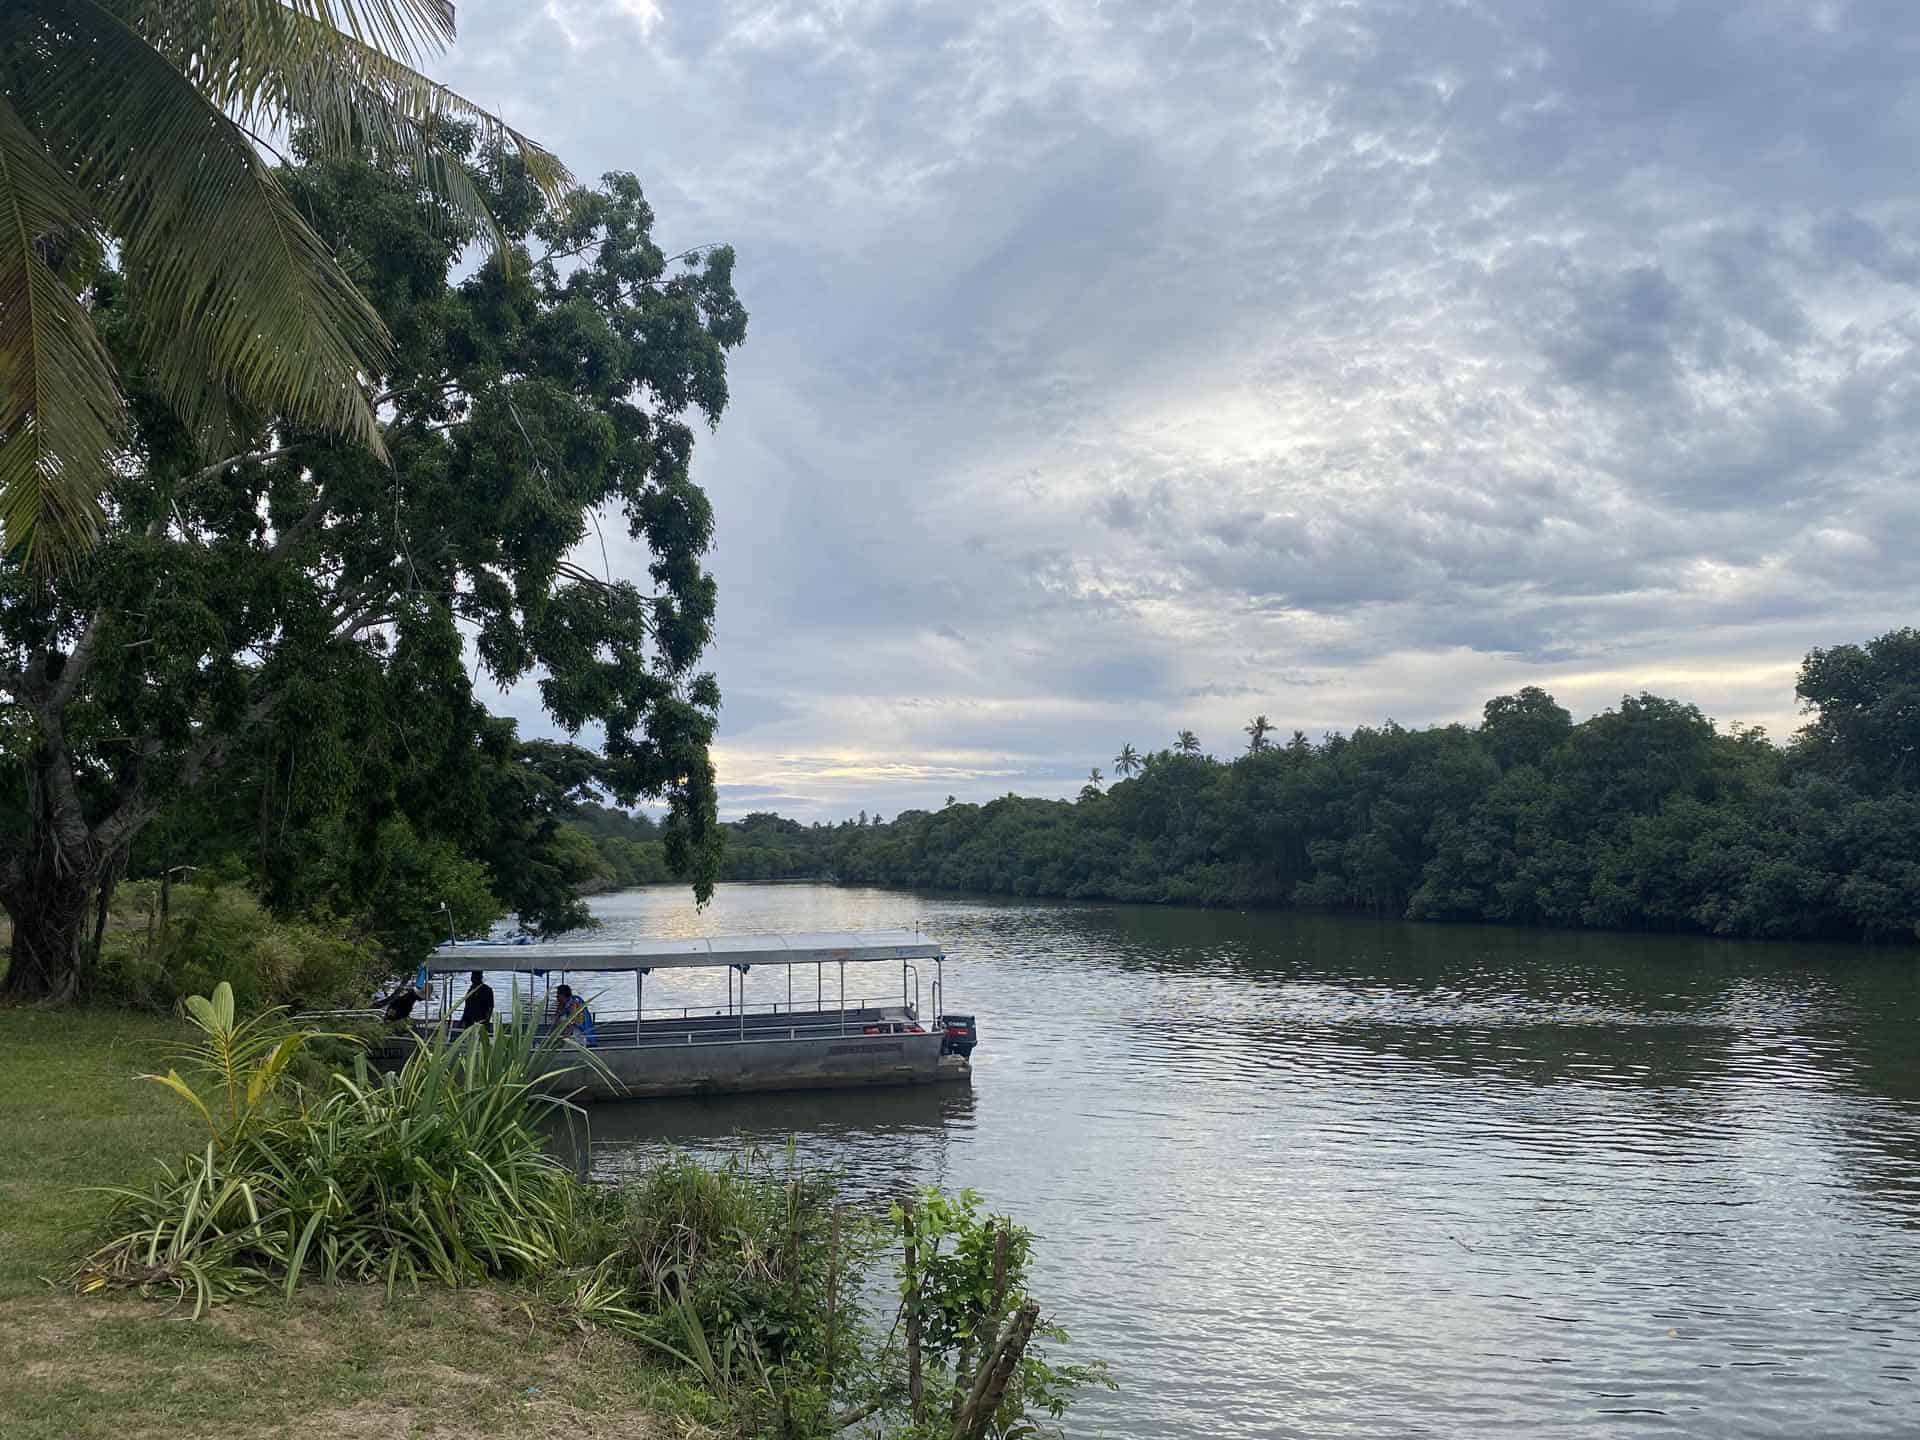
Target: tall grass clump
pixel 742 1274
pixel 435 1170
pixel 772 1291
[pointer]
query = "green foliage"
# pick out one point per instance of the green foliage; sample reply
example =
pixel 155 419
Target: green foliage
pixel 238 1064
pixel 130 125
pixel 749 1277
pixel 1645 816
pixel 760 1282
pixel 404 878
pixel 437 1170
pixel 1867 704
pixel 963 1282
pixel 267 654
pixel 216 933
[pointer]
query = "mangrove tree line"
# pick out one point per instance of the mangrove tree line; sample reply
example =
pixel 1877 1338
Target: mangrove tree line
pixel 1646 817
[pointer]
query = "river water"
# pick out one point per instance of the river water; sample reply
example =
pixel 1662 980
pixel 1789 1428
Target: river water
pixel 1307 1176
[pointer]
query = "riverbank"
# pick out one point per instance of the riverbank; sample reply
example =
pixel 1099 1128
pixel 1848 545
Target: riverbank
pixel 334 1362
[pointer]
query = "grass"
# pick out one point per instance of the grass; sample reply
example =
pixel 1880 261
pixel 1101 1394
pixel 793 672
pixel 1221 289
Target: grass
pixel 332 1361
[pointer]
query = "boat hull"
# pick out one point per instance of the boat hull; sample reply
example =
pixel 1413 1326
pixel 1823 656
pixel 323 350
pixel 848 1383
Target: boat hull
pixel 740 1066
pixel 705 1064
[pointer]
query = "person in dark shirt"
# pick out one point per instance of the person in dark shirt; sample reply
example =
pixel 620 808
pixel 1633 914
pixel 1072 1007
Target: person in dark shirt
pixel 479 1007
pixel 399 1005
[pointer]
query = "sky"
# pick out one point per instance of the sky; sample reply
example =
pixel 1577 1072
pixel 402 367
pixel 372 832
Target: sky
pixel 1116 368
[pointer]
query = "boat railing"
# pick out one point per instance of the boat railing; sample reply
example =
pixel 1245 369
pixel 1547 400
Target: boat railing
pixel 770 1007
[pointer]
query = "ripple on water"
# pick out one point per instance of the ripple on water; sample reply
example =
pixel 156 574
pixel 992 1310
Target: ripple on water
pixel 1309 1177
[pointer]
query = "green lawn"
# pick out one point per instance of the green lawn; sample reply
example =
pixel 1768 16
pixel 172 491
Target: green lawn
pixel 332 1362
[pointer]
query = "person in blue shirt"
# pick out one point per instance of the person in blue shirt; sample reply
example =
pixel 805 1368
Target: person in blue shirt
pixel 573 1015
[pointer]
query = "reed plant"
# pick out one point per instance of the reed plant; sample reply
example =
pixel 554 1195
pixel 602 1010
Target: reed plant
pixel 435 1169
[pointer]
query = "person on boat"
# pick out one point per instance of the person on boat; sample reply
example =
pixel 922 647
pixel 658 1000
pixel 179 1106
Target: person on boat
pixel 573 1014
pixel 479 1007
pixel 399 1005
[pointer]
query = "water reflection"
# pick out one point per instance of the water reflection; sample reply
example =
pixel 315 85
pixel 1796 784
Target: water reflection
pixel 1299 1176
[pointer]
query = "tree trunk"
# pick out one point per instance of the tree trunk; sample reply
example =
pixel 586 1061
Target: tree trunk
pixel 48 887
pixel 48 905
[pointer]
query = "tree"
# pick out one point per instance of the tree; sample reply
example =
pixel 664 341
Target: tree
pixel 1127 762
pixel 1865 700
pixel 1257 731
pixel 130 126
pixel 1187 743
pixel 1520 729
pixel 292 624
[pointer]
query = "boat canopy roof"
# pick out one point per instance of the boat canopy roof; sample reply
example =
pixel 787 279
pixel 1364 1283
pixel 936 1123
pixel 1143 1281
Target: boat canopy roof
pixel 682 954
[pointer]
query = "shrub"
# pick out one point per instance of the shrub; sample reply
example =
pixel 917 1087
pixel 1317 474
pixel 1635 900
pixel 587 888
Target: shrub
pixel 215 932
pixel 743 1273
pixel 436 1170
pixel 766 1286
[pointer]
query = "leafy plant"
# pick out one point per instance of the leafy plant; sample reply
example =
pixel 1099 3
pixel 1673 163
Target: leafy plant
pixel 762 1285
pixel 437 1170
pixel 240 1064
pixel 975 1358
pixel 742 1275
pixel 215 931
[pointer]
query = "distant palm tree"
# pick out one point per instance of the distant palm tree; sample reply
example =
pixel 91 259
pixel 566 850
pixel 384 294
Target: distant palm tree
pixel 1257 731
pixel 1187 743
pixel 1094 777
pixel 1128 762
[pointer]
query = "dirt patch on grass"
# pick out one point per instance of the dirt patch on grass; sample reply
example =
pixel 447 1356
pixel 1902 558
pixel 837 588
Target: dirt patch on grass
pixel 39 1325
pixel 374 1421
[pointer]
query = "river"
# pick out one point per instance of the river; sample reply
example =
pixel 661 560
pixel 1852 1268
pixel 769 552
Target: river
pixel 1308 1176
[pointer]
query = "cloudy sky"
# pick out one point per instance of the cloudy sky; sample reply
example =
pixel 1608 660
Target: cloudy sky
pixel 1121 367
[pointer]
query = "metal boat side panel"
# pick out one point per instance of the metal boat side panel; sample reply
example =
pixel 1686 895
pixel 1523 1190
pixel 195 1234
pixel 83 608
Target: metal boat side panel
pixel 831 1062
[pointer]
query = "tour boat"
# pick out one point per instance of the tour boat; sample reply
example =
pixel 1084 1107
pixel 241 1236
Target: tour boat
pixel 788 1040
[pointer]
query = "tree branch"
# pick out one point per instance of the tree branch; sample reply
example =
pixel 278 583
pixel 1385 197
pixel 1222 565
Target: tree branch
pixel 79 661
pixel 386 397
pixel 209 471
pixel 309 518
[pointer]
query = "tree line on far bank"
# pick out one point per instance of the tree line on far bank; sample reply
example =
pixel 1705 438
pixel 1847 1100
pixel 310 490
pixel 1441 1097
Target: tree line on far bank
pixel 1646 816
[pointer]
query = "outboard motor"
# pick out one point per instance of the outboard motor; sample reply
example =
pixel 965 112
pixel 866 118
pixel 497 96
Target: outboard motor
pixel 957 1035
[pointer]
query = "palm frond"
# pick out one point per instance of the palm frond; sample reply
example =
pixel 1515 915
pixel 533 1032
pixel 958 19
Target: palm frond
pixel 208 235
pixel 59 407
pixel 348 85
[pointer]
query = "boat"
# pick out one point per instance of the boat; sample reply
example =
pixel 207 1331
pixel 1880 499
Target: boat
pixel 791 1040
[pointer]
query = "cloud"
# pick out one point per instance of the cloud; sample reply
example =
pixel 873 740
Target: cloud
pixel 1120 368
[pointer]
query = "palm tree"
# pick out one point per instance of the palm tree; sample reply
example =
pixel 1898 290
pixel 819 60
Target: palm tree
pixel 133 127
pixel 1187 743
pixel 1127 762
pixel 1257 731
pixel 1094 777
